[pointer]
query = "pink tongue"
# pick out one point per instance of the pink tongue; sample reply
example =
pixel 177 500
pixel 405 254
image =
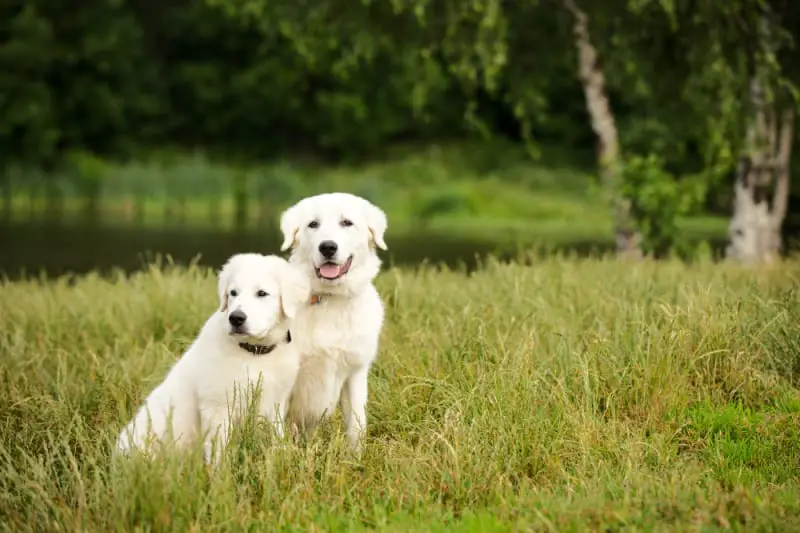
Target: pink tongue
pixel 329 271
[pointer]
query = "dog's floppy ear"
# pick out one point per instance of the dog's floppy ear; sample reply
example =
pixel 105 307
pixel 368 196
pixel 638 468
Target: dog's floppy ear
pixel 290 225
pixel 295 291
pixel 376 222
pixel 223 280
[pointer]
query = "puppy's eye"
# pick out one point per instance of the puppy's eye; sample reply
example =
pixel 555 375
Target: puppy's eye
pixel 234 293
pixel 346 223
pixel 261 294
pixel 313 224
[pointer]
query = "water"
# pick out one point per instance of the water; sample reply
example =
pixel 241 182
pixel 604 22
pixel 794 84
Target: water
pixel 55 249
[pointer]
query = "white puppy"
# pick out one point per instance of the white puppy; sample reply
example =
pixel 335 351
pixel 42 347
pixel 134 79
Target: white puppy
pixel 246 343
pixel 333 239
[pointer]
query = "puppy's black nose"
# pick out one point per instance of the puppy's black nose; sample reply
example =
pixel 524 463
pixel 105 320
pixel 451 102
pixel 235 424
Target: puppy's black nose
pixel 328 249
pixel 237 318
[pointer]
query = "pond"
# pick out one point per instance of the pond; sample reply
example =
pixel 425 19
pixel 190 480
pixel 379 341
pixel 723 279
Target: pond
pixel 37 248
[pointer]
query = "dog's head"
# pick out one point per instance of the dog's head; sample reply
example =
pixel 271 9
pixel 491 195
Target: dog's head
pixel 259 295
pixel 333 238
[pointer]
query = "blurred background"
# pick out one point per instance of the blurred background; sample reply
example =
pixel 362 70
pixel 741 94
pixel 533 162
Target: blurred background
pixel 133 128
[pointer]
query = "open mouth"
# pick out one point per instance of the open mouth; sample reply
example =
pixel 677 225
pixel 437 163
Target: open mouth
pixel 331 271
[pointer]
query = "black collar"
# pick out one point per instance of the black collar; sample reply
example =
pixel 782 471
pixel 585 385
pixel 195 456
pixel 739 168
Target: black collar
pixel 262 349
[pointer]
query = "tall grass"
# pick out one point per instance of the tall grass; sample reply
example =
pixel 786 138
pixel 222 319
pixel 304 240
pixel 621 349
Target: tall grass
pixel 484 189
pixel 566 396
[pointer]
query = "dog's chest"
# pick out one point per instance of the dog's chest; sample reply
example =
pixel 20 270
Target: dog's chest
pixel 271 373
pixel 345 333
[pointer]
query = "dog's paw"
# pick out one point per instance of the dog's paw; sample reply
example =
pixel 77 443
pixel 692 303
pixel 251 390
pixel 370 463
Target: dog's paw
pixel 356 445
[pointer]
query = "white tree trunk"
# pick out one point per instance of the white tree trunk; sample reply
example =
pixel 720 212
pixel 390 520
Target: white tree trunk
pixel 628 240
pixel 780 200
pixel 751 227
pixel 755 227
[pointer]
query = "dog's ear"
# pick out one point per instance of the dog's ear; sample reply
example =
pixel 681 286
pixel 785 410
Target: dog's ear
pixel 376 222
pixel 295 291
pixel 223 279
pixel 290 225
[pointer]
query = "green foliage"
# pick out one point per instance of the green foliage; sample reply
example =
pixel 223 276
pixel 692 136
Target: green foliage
pixel 562 395
pixel 657 200
pixel 258 78
pixel 453 201
pixel 88 170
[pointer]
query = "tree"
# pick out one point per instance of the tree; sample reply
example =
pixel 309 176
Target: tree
pixel 590 71
pixel 488 47
pixel 755 227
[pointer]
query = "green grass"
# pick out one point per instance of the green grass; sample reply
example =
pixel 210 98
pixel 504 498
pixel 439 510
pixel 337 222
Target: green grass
pixel 491 191
pixel 568 396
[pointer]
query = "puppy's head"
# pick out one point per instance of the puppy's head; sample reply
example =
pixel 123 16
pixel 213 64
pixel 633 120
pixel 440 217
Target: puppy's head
pixel 259 295
pixel 333 238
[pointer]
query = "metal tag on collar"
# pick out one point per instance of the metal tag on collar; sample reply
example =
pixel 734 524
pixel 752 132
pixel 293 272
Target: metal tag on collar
pixel 315 299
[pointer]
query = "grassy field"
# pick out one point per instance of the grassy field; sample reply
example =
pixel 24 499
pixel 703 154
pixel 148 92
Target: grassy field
pixel 567 396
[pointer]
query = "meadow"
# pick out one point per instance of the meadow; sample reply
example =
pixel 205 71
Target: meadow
pixel 570 395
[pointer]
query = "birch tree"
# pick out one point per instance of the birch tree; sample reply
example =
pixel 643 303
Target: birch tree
pixel 590 72
pixel 764 167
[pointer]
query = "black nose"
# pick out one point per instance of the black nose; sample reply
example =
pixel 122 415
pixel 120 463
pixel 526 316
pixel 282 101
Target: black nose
pixel 237 318
pixel 328 248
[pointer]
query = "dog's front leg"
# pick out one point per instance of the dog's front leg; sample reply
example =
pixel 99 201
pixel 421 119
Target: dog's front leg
pixel 276 414
pixel 216 427
pixel 354 408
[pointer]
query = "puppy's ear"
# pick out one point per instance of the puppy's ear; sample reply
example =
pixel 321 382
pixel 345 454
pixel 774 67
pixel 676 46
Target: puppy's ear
pixel 376 222
pixel 295 291
pixel 223 280
pixel 290 225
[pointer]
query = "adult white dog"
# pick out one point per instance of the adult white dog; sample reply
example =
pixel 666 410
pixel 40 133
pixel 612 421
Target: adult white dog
pixel 333 238
pixel 247 342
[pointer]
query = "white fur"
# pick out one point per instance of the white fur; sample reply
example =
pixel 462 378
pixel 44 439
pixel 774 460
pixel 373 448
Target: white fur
pixel 338 337
pixel 199 389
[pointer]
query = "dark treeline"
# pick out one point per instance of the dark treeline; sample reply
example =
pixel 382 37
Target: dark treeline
pixel 119 76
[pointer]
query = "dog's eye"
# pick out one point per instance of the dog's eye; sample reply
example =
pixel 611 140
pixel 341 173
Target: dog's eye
pixel 234 293
pixel 261 294
pixel 346 223
pixel 313 224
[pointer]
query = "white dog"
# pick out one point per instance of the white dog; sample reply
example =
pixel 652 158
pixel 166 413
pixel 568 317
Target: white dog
pixel 245 343
pixel 333 238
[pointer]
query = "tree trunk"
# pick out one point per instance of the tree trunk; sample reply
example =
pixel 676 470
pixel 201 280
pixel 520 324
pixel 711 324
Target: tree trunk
pixel 628 240
pixel 755 227
pixel 780 199
pixel 749 230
